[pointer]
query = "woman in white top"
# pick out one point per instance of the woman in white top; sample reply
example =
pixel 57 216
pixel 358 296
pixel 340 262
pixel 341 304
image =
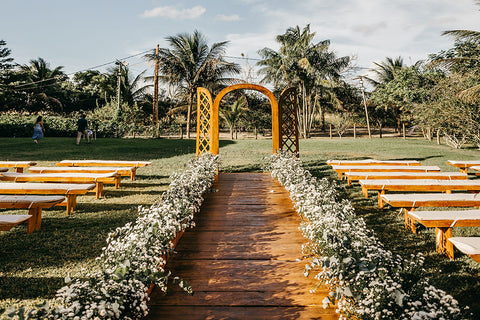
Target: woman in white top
pixel 38 130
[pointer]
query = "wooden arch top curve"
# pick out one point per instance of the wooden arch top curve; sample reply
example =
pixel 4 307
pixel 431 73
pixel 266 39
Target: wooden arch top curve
pixel 273 102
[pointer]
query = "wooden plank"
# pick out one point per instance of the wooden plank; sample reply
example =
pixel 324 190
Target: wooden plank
pixel 354 176
pixel 243 258
pixel 373 162
pixel 242 312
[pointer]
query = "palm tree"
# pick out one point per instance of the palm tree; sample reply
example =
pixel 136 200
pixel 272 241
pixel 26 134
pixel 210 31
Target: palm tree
pixel 307 65
pixel 233 114
pixel 190 63
pixel 42 84
pixel 471 94
pixel 385 71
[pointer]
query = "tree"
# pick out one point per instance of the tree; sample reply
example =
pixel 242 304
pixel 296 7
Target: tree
pixel 190 63
pixel 42 85
pixel 385 71
pixel 6 66
pixel 464 58
pixel 232 114
pixel 409 87
pixel 307 65
pixel 5 60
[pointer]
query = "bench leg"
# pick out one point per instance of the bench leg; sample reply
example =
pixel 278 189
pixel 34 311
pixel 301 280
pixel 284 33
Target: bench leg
pixel 99 190
pixel 340 176
pixel 409 222
pixel 19 170
pixel 349 182
pixel 381 204
pixel 70 203
pixel 118 179
pixel 133 174
pixel 365 191
pixel 443 245
pixel 35 221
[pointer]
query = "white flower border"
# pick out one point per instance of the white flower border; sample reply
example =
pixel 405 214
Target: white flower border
pixel 366 280
pixel 135 255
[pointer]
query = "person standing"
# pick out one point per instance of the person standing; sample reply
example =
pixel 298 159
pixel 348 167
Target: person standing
pixel 82 129
pixel 38 130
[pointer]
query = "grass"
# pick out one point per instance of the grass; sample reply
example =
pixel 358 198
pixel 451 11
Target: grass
pixel 32 267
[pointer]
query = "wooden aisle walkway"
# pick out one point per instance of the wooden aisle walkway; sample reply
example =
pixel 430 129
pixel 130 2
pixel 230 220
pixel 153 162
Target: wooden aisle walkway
pixel 242 258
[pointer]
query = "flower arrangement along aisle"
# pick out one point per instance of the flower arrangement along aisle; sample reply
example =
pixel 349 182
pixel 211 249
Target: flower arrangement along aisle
pixel 134 256
pixel 366 280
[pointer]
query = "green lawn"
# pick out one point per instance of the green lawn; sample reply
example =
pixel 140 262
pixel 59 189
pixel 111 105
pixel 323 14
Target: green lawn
pixel 32 267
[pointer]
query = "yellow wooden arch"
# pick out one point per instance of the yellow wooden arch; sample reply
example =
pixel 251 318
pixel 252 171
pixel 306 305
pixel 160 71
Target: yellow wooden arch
pixel 275 114
pixel 208 125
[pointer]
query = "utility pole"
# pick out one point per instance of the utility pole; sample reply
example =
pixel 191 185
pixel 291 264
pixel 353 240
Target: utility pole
pixel 155 89
pixel 119 81
pixel 365 105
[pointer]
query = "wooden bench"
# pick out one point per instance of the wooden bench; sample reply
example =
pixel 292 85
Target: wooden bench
pixel 468 245
pixel 69 190
pixel 373 162
pixel 355 176
pixel 476 168
pixel 104 163
pixel 443 222
pixel 98 179
pixel 34 204
pixel 17 165
pixel 411 201
pixel 9 221
pixel 426 185
pixel 463 165
pixel 123 171
pixel 343 169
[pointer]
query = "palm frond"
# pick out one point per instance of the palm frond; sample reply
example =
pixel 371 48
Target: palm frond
pixel 471 95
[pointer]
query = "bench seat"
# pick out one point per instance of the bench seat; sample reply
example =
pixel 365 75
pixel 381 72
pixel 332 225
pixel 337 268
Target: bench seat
pixel 34 204
pixel 123 171
pixel 463 165
pixel 69 190
pixel 426 185
pixel 342 169
pixel 468 245
pixel 17 165
pixel 373 162
pixel 104 163
pixel 355 176
pixel 9 221
pixel 97 179
pixel 443 222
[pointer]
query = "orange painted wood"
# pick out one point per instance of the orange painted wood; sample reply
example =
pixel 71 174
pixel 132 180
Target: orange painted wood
pixel 354 176
pixel 373 162
pixel 275 114
pixel 243 258
pixel 17 165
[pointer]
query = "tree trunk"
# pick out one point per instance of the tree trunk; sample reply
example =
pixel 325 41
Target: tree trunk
pixel 231 132
pixel 381 133
pixel 189 111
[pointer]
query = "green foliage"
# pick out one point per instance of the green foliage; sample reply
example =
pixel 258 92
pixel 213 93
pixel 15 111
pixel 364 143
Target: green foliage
pixel 308 66
pixel 20 125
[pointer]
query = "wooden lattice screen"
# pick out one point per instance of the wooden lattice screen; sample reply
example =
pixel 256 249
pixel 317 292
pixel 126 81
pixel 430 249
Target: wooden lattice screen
pixel 204 123
pixel 289 121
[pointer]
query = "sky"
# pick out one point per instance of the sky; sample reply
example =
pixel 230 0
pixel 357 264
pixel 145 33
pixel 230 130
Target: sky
pixel 84 34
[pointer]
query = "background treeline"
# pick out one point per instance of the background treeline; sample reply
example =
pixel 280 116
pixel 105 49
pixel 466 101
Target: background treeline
pixel 439 96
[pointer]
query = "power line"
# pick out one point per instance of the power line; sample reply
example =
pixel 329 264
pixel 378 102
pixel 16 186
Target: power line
pixel 68 74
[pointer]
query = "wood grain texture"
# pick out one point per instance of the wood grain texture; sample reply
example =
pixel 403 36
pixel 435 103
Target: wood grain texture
pixel 243 258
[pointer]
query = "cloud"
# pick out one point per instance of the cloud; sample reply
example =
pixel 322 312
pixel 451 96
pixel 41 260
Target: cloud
pixel 233 17
pixel 368 29
pixel 174 13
